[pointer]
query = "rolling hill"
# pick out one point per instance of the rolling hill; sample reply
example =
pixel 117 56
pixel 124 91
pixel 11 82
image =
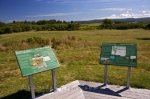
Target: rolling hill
pixel 146 19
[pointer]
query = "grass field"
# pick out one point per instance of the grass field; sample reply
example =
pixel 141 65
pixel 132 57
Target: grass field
pixel 78 53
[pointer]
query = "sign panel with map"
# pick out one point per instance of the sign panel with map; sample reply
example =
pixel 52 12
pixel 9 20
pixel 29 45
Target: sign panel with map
pixel 36 60
pixel 123 54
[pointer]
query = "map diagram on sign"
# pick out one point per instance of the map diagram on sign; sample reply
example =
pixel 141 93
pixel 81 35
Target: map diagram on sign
pixel 39 61
pixel 118 50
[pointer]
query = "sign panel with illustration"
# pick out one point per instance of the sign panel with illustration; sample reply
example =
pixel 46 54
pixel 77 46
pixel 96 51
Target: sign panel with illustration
pixel 119 54
pixel 36 60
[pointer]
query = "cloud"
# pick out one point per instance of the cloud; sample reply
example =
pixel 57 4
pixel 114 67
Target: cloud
pixel 146 12
pixel 54 14
pixel 115 9
pixel 130 14
pixel 116 13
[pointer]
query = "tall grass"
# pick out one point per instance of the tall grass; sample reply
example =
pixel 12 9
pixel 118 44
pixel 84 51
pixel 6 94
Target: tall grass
pixel 78 53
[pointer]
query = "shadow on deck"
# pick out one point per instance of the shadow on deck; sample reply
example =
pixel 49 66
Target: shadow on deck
pixel 102 90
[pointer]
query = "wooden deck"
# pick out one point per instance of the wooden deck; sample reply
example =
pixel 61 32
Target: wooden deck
pixel 91 90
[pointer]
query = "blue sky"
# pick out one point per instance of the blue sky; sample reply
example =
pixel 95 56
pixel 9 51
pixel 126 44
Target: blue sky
pixel 68 10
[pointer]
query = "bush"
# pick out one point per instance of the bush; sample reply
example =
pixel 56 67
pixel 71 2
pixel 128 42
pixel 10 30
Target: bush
pixel 26 27
pixel 148 26
pixel 16 28
pixel 7 30
pixel 1 31
pixel 123 26
pixel 87 27
pixel 2 24
pixel 107 24
pixel 73 26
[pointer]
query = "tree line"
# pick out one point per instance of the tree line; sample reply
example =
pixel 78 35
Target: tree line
pixel 109 24
pixel 42 25
pixel 57 25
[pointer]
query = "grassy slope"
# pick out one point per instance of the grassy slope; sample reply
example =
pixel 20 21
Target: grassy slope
pixel 78 57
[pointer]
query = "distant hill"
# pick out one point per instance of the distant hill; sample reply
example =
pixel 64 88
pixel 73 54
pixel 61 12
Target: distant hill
pixel 146 19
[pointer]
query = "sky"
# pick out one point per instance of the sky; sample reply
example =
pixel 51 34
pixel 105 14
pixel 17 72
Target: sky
pixel 72 10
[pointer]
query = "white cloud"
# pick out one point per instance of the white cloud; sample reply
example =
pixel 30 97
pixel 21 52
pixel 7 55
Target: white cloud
pixel 125 13
pixel 146 12
pixel 54 14
pixel 115 9
pixel 130 14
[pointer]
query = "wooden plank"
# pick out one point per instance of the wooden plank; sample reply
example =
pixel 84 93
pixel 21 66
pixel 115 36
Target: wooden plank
pixel 93 90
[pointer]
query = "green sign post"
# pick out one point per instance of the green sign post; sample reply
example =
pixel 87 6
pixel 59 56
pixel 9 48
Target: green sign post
pixel 37 60
pixel 121 54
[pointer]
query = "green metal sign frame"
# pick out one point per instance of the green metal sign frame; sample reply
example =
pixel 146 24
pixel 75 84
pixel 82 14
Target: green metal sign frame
pixel 122 54
pixel 36 60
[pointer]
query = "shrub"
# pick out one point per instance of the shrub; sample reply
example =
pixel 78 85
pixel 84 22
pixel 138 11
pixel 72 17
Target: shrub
pixel 107 24
pixel 73 26
pixel 7 30
pixel 148 26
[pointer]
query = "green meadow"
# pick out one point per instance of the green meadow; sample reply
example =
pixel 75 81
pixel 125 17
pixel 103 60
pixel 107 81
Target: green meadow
pixel 78 53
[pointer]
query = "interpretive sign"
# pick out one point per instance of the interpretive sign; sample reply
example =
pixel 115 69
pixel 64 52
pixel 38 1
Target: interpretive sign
pixel 123 54
pixel 36 60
